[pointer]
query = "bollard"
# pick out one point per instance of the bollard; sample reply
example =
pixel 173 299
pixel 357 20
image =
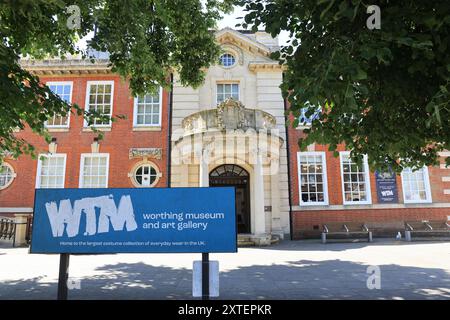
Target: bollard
pixel 408 236
pixel 21 229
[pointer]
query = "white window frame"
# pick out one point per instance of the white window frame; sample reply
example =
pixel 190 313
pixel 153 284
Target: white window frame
pixel 39 168
pixel 13 174
pixel 230 66
pixel 135 109
pixel 61 83
pixel 82 160
pixel 87 105
pixel 132 174
pixel 366 180
pixel 426 182
pixel 231 83
pixel 324 178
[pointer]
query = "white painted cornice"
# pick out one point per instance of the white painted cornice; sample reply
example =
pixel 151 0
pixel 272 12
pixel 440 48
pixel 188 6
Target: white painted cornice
pixel 56 67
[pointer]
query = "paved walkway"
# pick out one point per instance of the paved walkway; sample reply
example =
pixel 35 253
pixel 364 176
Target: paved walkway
pixel 290 270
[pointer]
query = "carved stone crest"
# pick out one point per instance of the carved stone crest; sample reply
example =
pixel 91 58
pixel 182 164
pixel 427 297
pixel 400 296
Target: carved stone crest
pixel 230 114
pixel 155 153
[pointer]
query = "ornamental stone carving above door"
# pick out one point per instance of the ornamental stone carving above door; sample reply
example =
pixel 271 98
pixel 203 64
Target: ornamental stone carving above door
pixel 229 115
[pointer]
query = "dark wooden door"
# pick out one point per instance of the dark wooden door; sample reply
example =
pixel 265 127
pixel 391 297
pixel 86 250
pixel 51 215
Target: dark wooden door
pixel 242 192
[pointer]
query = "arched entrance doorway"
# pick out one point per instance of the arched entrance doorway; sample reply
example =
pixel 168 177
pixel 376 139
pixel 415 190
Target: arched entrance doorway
pixel 231 175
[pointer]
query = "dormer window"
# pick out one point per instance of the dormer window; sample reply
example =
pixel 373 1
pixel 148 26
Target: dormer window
pixel 227 60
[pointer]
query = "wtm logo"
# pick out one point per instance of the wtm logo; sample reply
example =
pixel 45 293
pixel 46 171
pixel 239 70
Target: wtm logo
pixel 68 218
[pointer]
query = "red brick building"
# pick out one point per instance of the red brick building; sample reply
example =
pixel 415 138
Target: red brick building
pixel 422 195
pixel 133 152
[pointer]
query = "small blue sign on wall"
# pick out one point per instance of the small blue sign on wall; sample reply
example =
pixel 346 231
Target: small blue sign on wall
pixel 134 220
pixel 386 186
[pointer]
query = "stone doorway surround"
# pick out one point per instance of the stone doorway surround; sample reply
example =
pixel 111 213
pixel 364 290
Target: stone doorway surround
pixel 233 134
pixel 231 175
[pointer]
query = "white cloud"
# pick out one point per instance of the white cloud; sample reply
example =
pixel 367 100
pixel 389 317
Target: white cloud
pixel 228 20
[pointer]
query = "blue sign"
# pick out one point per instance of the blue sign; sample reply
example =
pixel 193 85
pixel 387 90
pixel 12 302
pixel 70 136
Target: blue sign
pixel 386 186
pixel 134 220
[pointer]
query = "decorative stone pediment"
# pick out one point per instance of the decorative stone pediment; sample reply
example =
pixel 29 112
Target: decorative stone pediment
pixel 236 38
pixel 229 115
pixel 155 153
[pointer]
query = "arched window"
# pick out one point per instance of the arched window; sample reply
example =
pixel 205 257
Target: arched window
pixel 229 170
pixel 227 60
pixel 7 175
pixel 145 175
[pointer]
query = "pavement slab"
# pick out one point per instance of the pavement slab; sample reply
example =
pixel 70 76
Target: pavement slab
pixel 290 270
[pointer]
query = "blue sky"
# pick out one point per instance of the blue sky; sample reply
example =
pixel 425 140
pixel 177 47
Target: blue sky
pixel 229 20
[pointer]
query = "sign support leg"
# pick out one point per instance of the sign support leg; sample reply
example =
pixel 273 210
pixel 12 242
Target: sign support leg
pixel 205 276
pixel 63 276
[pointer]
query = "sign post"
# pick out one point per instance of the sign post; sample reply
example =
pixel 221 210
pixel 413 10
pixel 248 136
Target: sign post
pixel 63 276
pixel 205 276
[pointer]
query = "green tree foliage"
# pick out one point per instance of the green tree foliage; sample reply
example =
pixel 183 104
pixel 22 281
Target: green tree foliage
pixel 145 38
pixel 384 92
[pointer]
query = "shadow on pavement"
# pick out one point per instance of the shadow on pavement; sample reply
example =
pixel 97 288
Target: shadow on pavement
pixel 330 279
pixel 339 245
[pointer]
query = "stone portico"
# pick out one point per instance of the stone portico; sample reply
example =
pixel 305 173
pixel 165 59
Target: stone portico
pixel 230 138
pixel 230 131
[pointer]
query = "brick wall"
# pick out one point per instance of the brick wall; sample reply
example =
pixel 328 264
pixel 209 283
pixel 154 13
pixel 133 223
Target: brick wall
pixel 385 219
pixel 383 222
pixel 116 142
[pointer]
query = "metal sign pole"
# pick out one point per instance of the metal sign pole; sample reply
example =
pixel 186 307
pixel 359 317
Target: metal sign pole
pixel 63 276
pixel 205 276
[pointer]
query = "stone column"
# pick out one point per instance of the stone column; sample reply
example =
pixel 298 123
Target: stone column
pixel 275 197
pixel 258 189
pixel 184 175
pixel 203 170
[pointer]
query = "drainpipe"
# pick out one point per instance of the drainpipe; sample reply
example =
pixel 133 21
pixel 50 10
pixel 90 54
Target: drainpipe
pixel 169 132
pixel 286 118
